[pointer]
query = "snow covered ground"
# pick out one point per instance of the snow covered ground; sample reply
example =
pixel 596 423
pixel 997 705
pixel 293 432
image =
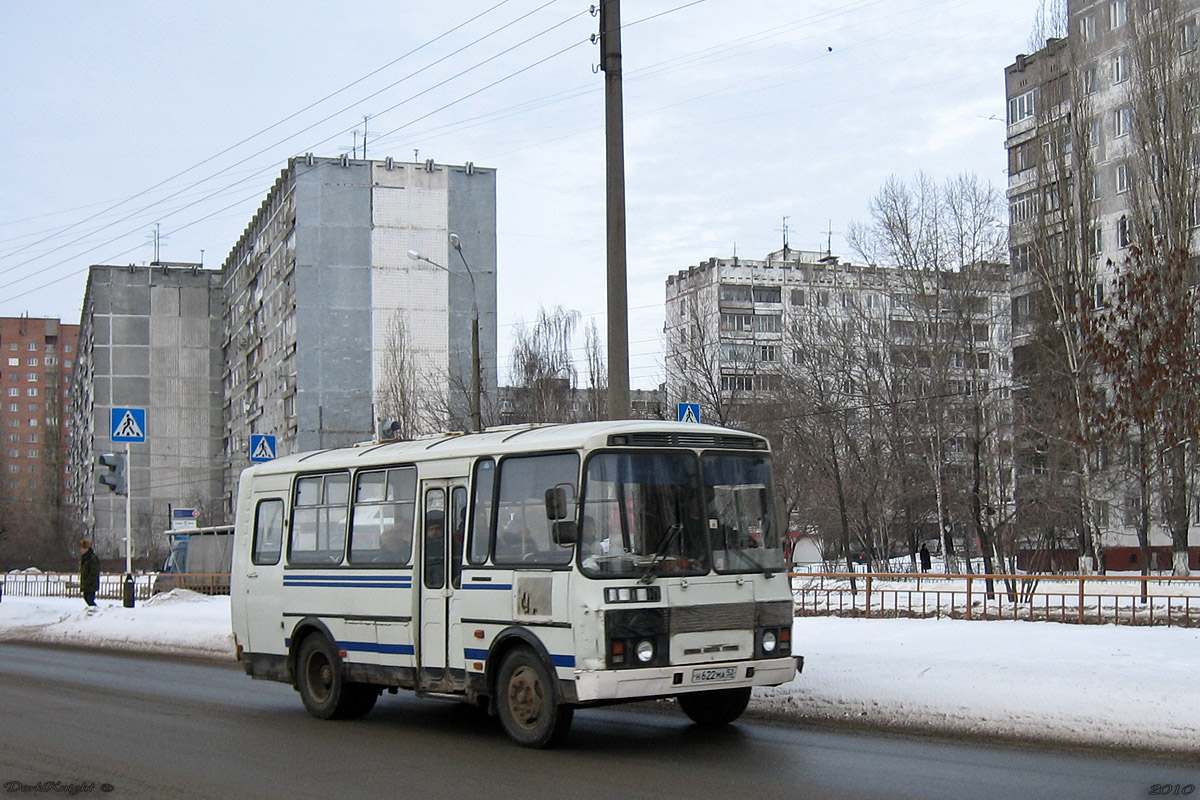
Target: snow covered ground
pixel 1102 685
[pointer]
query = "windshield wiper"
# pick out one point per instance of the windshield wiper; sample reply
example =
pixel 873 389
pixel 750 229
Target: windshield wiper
pixel 673 532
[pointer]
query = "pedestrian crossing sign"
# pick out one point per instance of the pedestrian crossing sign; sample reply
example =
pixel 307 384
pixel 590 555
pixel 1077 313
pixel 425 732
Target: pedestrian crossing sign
pixel 128 424
pixel 688 412
pixel 262 447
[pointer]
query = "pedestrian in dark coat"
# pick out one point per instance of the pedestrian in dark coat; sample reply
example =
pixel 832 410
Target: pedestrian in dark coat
pixel 926 560
pixel 89 571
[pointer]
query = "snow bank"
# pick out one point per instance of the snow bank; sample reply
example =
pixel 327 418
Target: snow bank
pixel 179 622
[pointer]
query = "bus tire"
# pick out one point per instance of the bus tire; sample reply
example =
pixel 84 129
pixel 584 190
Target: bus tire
pixel 714 708
pixel 323 687
pixel 527 701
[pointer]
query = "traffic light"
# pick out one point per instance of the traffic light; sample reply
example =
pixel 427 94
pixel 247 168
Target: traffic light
pixel 114 478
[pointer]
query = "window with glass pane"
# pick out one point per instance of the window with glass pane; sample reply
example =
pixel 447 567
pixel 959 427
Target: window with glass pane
pixel 382 523
pixel 319 519
pixel 268 532
pixel 523 535
pixel 742 528
pixel 481 515
pixel 643 514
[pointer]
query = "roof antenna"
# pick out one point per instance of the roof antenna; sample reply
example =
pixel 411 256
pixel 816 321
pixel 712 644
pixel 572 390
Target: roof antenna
pixel 785 237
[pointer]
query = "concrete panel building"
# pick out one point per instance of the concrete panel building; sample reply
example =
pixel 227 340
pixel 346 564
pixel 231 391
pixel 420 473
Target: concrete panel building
pixel 325 307
pixel 149 337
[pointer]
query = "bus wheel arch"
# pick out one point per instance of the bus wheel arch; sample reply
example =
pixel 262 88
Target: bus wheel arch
pixel 528 700
pixel 320 677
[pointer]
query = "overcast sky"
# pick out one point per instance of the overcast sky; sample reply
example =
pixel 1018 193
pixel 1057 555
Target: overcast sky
pixel 121 115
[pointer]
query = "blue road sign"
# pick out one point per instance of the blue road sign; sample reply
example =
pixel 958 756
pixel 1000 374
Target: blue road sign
pixel 688 412
pixel 128 424
pixel 262 447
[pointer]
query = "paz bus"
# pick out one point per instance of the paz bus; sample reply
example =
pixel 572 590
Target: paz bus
pixel 530 569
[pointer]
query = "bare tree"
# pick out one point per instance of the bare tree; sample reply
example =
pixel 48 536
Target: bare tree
pixel 543 371
pixel 400 397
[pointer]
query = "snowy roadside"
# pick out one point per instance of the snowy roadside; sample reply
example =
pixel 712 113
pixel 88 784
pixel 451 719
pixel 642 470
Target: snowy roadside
pixel 1095 686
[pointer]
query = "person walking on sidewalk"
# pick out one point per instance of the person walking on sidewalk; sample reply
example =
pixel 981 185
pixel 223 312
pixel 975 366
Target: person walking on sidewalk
pixel 89 572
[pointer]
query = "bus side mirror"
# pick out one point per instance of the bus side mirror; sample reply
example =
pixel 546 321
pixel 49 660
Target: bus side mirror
pixel 565 532
pixel 556 503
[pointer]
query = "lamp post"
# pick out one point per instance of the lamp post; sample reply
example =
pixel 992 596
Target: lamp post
pixel 476 390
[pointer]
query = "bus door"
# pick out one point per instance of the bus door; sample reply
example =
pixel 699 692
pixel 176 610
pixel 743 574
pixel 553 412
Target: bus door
pixel 443 529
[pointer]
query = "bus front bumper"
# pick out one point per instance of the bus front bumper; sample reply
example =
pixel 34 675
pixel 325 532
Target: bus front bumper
pixel 667 681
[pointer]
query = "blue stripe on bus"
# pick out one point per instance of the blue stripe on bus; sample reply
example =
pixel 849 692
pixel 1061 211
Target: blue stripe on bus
pixel 347 578
pixel 374 647
pixel 475 654
pixel 355 585
pixel 503 586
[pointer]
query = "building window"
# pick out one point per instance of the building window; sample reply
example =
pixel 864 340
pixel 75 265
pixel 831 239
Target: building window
pixel 14 392
pixel 737 323
pixel 1023 207
pixel 1188 35
pixel 1091 80
pixel 14 362
pixel 1120 68
pixel 1122 121
pixel 1087 27
pixel 767 323
pixel 32 347
pixel 797 297
pixel 734 293
pixel 768 294
pixel 1118 13
pixel 1122 178
pixel 1020 107
pixel 768 352
pixel 1123 232
pixel 32 391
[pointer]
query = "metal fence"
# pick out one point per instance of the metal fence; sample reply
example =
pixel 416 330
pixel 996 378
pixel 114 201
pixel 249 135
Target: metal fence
pixel 65 584
pixel 1076 599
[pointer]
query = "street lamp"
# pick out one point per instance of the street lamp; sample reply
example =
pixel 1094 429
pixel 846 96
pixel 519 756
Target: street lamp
pixel 476 414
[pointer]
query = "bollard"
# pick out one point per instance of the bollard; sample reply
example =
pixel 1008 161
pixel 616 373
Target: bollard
pixel 127 592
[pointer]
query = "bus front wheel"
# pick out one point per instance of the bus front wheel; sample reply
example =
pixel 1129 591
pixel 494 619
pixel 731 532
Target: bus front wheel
pixel 323 688
pixel 528 703
pixel 716 707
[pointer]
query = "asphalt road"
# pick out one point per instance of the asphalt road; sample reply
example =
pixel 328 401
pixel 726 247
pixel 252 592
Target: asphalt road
pixel 109 725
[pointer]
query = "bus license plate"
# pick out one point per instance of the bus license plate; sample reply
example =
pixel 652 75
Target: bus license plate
pixel 714 675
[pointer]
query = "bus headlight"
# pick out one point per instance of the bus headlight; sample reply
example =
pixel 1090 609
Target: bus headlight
pixel 768 641
pixel 644 651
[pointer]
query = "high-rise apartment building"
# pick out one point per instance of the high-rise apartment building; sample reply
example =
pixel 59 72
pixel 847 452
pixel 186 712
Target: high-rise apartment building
pixel 149 337
pixel 348 306
pixel 36 360
pixel 1102 142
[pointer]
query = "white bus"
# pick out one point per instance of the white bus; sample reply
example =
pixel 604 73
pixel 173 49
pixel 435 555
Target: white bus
pixel 534 569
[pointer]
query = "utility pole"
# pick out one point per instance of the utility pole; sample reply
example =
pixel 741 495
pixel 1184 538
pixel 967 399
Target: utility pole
pixel 614 150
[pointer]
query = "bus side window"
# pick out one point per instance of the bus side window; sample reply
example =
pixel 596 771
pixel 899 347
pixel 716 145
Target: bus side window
pixel 522 529
pixel 381 527
pixel 481 511
pixel 319 519
pixel 268 532
pixel 458 503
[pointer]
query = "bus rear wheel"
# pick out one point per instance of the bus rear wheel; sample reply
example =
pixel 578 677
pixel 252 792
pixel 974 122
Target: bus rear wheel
pixel 528 703
pixel 323 688
pixel 716 707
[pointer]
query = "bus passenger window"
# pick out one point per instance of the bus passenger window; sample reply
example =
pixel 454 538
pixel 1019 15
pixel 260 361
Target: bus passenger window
pixel 319 519
pixel 381 527
pixel 435 539
pixel 268 532
pixel 481 514
pixel 522 529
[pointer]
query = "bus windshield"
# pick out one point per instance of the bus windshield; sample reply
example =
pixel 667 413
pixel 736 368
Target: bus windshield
pixel 642 516
pixel 741 518
pixel 654 514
